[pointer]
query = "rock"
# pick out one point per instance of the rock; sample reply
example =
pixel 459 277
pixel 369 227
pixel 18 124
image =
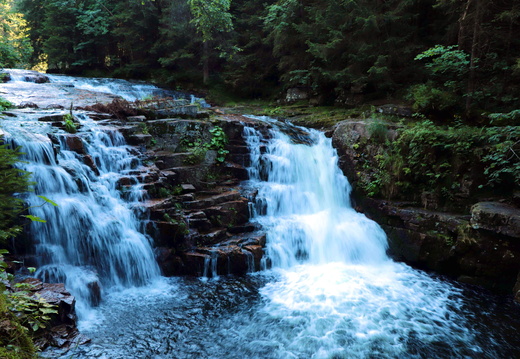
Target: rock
pixel 55 117
pixel 89 161
pixel 170 234
pixel 36 77
pixel 139 139
pixel 194 263
pixel 75 143
pixel 28 105
pixel 496 217
pixel 296 94
pixel 187 187
pixel 166 159
pixel 5 76
pixel 57 295
pixel 136 118
pixel 396 110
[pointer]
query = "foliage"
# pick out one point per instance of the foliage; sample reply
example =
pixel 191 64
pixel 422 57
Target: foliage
pixel 218 143
pixel 198 147
pixel 340 51
pixel 68 121
pixel 4 104
pixel 14 180
pixel 211 17
pixel 444 60
pixel 15 48
pixel 438 159
pixel 15 342
pixel 27 313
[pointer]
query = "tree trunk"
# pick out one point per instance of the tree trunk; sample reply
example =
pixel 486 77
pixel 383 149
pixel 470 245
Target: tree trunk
pixel 205 62
pixel 473 58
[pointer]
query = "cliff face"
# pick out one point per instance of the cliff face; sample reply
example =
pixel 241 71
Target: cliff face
pixel 471 232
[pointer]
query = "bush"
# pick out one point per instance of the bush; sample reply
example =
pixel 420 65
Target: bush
pixel 427 98
pixel 4 104
pixel 13 181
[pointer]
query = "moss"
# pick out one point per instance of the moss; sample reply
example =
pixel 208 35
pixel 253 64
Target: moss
pixel 15 343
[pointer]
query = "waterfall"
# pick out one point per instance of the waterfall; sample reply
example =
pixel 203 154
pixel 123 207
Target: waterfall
pixel 336 293
pixel 303 203
pixel 93 239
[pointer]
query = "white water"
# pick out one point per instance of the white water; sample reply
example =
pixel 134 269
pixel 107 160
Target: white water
pixel 129 90
pixel 92 239
pixel 337 289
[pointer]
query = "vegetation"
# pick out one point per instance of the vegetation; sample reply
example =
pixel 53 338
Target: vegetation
pixel 68 122
pixel 22 314
pixel 443 160
pixel 443 55
pixel 15 47
pixel 4 104
pixel 198 147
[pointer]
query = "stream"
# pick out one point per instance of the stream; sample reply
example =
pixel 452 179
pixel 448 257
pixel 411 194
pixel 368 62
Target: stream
pixel 327 290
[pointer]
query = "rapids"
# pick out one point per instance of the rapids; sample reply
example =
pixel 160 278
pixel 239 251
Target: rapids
pixel 330 290
pixel 327 289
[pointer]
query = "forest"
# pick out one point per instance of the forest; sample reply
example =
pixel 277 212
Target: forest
pixel 442 56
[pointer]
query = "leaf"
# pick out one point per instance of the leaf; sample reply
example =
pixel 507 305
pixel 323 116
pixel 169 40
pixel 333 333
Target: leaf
pixel 34 218
pixel 48 201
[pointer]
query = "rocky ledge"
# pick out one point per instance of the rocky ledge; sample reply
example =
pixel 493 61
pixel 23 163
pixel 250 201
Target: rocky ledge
pixel 476 239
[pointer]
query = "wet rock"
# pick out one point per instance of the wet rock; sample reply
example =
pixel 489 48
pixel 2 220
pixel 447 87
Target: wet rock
pixel 136 118
pixel 165 160
pixel 36 77
pixel 55 117
pixel 496 217
pixel 75 143
pixel 187 187
pixel 89 161
pixel 170 263
pixel 170 234
pixel 56 294
pixel 28 105
pixel 139 139
pixel 194 263
pixel 210 201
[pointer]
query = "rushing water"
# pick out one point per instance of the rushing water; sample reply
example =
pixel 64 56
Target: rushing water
pixel 327 290
pixel 331 291
pixel 92 239
pixel 129 90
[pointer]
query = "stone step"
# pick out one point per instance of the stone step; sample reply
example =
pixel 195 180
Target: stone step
pixel 212 200
pixel 238 149
pixel 165 159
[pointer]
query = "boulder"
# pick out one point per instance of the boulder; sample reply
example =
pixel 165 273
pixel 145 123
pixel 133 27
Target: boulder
pixel 75 143
pixel 500 218
pixel 296 94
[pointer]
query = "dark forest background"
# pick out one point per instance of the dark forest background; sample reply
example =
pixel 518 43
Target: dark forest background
pixel 456 56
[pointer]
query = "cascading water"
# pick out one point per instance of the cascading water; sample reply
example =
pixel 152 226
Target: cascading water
pixel 331 293
pixel 92 239
pixel 339 295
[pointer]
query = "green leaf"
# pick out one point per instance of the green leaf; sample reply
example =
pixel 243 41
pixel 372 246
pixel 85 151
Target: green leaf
pixel 48 201
pixel 35 218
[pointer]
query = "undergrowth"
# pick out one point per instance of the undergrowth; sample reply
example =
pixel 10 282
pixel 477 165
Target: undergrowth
pixel 442 160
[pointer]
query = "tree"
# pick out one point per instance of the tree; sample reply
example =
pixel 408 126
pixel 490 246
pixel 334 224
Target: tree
pixel 210 17
pixel 15 48
pixel 14 181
